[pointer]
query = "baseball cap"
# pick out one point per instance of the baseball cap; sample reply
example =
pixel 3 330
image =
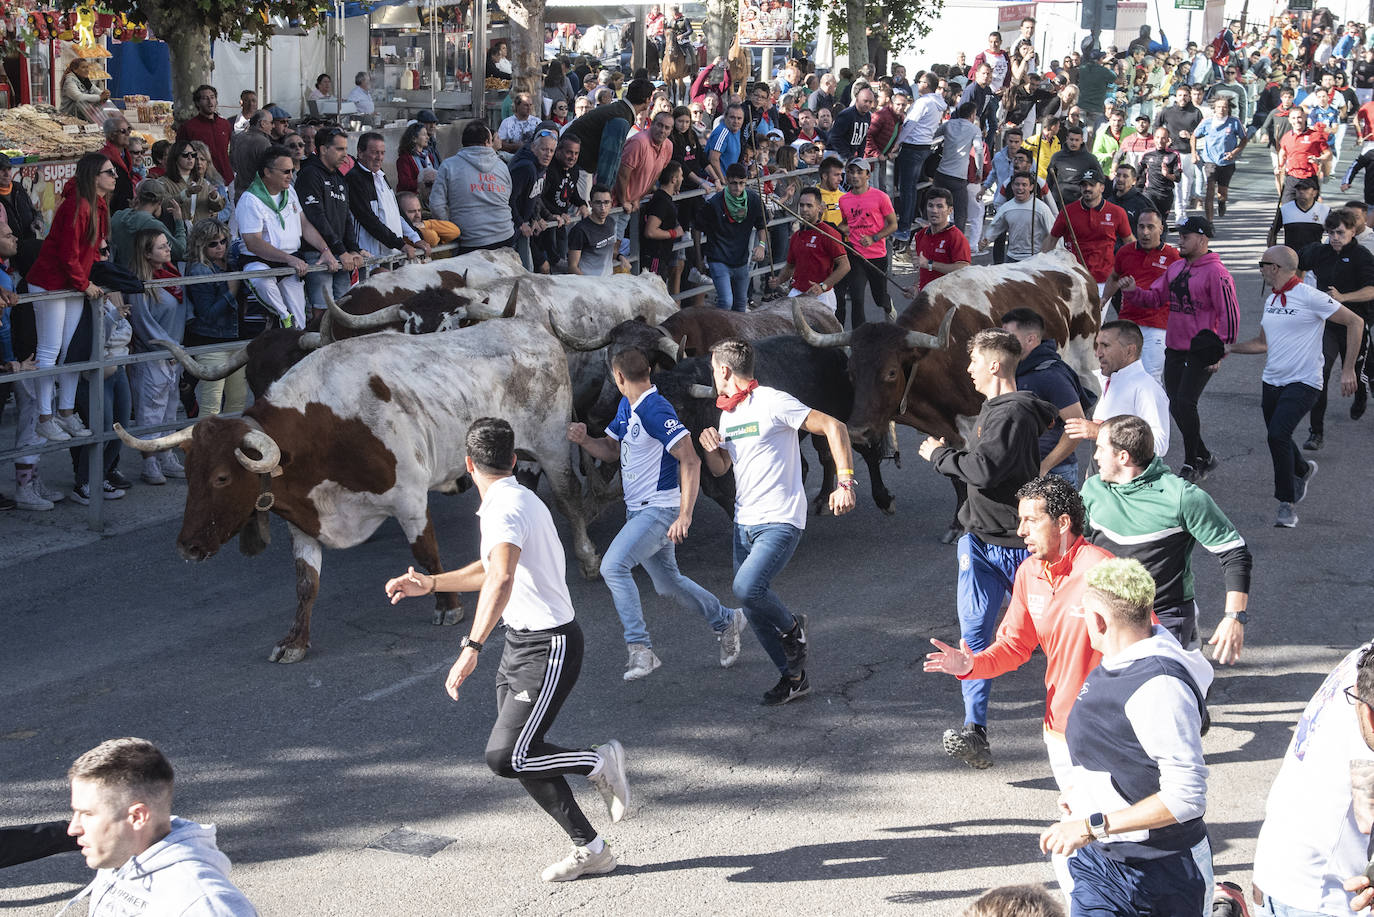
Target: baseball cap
pixel 427 117
pixel 899 91
pixel 278 113
pixel 1091 175
pixel 858 162
pixel 774 134
pixel 5 162
pixel 1197 224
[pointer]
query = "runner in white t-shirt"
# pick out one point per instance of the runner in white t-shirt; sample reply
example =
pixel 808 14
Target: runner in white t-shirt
pixel 521 577
pixel 661 477
pixel 1291 330
pixel 1321 806
pixel 758 438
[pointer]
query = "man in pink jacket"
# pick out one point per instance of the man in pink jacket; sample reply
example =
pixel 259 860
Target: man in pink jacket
pixel 1204 318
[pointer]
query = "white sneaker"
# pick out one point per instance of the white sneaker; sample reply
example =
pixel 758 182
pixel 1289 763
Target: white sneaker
pixel 581 862
pixel 171 465
pixel 26 496
pixel 52 431
pixel 612 783
pixel 729 638
pixel 72 424
pixel 642 662
pixel 52 496
pixel 152 471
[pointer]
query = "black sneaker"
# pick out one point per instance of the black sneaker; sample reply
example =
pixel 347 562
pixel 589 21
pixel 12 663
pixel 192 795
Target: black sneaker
pixel 969 745
pixel 787 689
pixel 118 480
pixel 1357 407
pixel 794 645
pixel 1221 207
pixel 1207 466
pixel 1314 443
pixel 7 503
pixel 1301 481
pixel 1189 474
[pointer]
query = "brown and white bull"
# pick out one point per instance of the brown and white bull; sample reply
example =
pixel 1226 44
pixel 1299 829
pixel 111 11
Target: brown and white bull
pixel 363 430
pixel 915 371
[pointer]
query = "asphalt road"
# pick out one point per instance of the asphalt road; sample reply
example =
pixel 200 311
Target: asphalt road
pixel 839 803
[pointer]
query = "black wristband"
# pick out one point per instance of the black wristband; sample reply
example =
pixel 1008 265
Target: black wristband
pixel 469 643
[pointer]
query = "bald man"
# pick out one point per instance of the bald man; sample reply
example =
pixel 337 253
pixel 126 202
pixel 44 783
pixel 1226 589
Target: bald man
pixel 1291 338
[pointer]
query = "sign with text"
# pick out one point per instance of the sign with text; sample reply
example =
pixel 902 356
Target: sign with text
pixel 765 24
pixel 1198 5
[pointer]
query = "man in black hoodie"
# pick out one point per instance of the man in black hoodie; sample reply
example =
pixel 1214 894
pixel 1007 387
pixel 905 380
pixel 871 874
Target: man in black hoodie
pixel 324 198
pixel 1002 455
pixel 527 170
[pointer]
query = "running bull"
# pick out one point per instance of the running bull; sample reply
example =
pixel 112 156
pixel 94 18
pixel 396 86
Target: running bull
pixel 363 430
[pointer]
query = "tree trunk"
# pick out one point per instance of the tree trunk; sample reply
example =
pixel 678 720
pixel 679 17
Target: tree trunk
pixel 188 43
pixel 719 28
pixel 858 34
pixel 526 45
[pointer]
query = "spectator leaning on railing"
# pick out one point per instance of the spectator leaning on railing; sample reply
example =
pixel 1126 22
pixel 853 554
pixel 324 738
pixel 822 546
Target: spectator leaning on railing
pixel 213 316
pixel 324 198
pixel 80 226
pixel 157 314
pixel 152 208
pixel 472 191
pixel 114 313
pixel 376 216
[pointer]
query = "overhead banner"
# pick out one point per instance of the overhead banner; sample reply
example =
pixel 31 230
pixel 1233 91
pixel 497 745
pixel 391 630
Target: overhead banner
pixel 765 24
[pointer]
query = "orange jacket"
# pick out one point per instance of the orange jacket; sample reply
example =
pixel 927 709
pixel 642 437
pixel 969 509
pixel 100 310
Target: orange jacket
pixel 1046 610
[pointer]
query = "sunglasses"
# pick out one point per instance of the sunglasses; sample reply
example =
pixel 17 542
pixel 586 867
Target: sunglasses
pixel 123 130
pixel 545 133
pixel 187 154
pixel 282 171
pixel 111 172
pixel 1268 264
pixel 217 243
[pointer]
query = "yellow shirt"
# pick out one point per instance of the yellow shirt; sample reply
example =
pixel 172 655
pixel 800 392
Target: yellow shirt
pixel 831 202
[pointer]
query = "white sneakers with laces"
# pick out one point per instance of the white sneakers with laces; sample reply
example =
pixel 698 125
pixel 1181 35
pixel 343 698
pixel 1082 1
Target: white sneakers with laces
pixel 642 662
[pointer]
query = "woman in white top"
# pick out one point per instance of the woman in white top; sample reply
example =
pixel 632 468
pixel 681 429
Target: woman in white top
pixel 273 225
pixel 1291 330
pixel 324 88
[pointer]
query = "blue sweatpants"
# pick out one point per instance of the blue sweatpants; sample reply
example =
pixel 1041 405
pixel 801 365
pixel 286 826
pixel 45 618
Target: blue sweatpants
pixel 1170 886
pixel 986 573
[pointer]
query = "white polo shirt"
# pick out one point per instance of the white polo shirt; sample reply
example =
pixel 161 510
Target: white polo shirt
pixel 1132 390
pixel 512 514
pixel 760 437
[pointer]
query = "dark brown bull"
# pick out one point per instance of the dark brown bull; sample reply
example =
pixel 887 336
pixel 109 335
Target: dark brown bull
pixel 698 327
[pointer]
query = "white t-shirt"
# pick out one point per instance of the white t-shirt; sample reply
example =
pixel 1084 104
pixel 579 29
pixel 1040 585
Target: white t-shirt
pixel 1309 842
pixel 518 131
pixel 255 216
pixel 1294 332
pixel 1132 390
pixel 647 430
pixel 761 439
pixel 512 514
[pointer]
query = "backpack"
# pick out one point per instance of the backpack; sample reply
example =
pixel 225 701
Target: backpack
pixel 1086 398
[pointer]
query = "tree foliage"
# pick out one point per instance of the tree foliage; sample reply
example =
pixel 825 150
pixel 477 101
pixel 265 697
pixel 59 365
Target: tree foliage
pixel 898 26
pixel 224 20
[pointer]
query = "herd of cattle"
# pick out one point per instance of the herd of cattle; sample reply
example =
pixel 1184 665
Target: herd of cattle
pixel 358 421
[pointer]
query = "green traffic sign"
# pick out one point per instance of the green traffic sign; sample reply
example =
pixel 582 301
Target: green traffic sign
pixel 1191 4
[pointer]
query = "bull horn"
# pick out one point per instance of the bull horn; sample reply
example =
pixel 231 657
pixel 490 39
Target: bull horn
pixel 575 343
pixel 170 441
pixel 937 341
pixel 814 337
pixel 194 367
pixel 670 348
pixel 311 340
pixel 701 391
pixel 477 313
pixel 265 446
pixel 372 321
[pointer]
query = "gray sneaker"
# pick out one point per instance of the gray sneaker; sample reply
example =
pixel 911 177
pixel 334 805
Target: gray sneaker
pixel 612 783
pixel 171 465
pixel 46 492
pixel 729 638
pixel 1301 481
pixel 26 496
pixel 581 862
pixel 969 745
pixel 1286 518
pixel 642 662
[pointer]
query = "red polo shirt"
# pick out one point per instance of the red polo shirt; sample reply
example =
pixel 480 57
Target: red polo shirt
pixel 812 253
pixel 948 246
pixel 1094 235
pixel 1145 265
pixel 1297 147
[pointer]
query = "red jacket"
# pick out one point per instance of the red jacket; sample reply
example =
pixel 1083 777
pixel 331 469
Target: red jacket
pixel 407 174
pixel 215 134
pixel 64 262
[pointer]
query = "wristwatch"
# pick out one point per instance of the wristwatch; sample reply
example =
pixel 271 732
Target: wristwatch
pixel 1240 616
pixel 468 642
pixel 1097 826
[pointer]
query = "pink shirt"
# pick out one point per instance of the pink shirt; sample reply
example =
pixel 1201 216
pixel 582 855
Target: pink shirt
pixel 640 164
pixel 866 215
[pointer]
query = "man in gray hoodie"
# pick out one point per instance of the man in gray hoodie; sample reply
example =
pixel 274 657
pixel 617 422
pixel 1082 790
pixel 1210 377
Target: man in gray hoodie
pixel 147 860
pixel 472 191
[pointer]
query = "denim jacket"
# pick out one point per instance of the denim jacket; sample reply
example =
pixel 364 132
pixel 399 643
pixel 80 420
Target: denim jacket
pixel 214 310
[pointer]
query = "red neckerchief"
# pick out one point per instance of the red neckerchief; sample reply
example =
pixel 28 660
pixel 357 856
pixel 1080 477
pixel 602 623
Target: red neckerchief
pixel 730 402
pixel 1282 292
pixel 165 271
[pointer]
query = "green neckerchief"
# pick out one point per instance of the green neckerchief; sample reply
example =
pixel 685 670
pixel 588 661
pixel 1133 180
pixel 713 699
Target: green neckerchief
pixel 737 206
pixel 259 190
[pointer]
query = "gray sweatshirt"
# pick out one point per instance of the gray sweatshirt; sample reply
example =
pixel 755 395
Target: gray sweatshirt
pixel 473 192
pixel 157 315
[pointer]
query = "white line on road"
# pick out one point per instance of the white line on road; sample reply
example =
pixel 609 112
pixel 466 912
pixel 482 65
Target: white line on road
pixel 404 683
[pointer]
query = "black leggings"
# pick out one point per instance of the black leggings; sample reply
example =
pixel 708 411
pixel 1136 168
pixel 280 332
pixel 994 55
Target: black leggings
pixel 866 274
pixel 537 673
pixel 1185 376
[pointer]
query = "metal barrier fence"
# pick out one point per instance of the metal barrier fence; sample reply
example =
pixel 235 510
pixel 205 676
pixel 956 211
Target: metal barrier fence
pixel 94 369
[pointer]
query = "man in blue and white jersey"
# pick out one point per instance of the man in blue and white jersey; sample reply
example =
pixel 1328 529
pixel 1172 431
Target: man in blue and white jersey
pixel 660 473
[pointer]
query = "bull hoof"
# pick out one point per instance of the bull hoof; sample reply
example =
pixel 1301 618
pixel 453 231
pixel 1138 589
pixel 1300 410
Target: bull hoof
pixel 591 568
pixel 287 654
pixel 447 617
pixel 889 508
pixel 951 536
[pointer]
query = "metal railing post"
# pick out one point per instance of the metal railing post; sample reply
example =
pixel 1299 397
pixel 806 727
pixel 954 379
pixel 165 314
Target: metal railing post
pixel 95 401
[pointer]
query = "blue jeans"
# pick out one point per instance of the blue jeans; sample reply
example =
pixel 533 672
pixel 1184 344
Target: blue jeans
pixel 986 574
pixel 315 283
pixel 910 161
pixel 761 551
pixel 1279 909
pixel 643 542
pixel 732 285
pixel 1067 469
pixel 118 407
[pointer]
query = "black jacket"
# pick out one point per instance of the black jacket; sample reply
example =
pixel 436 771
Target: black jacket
pixel 1134 203
pixel 560 188
pixel 526 188
pixel 1002 455
pixel 362 194
pixel 20 212
pixel 324 198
